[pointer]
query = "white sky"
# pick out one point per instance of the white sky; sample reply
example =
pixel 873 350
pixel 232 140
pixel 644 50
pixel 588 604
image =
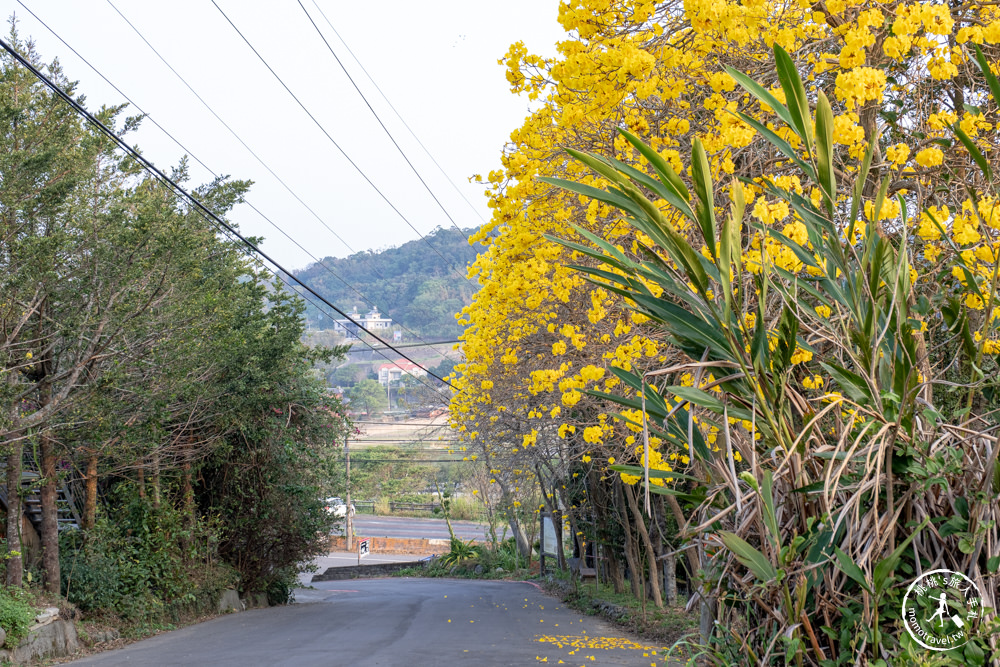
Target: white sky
pixel 435 60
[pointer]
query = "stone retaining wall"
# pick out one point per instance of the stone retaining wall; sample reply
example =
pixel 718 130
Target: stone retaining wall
pixel 54 639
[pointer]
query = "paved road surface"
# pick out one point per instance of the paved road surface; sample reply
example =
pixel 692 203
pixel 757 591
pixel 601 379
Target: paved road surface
pixel 396 622
pixel 397 526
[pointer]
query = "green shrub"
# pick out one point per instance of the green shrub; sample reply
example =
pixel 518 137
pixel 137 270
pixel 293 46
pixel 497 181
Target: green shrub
pixel 465 509
pixel 16 614
pixel 461 552
pixel 144 564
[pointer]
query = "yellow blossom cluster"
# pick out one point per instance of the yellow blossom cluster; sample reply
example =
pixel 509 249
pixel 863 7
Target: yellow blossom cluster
pixel 540 339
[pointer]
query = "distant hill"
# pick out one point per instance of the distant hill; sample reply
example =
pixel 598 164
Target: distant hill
pixel 410 283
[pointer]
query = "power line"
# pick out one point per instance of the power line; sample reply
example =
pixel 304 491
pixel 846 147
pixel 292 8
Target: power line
pixel 242 142
pixel 176 188
pixel 217 117
pixel 437 342
pixel 381 124
pixel 398 423
pixel 361 438
pixel 398 115
pixel 362 460
pixel 174 139
pixel 327 134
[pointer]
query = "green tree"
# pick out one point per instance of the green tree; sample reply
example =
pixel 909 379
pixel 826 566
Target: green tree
pixel 347 375
pixel 142 346
pixel 416 392
pixel 368 396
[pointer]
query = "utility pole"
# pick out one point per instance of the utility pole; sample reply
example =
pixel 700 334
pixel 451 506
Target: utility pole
pixel 349 514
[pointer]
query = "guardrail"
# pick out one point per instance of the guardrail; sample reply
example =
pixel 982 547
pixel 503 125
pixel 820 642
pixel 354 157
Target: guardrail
pixel 364 506
pixel 413 507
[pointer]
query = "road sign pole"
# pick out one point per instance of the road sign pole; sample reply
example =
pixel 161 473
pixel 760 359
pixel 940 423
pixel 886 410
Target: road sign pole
pixel 348 512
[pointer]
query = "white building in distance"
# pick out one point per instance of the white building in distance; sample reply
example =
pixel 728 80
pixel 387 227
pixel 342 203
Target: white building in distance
pixel 372 321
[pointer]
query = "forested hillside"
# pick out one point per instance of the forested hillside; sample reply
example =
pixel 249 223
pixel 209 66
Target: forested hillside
pixel 420 284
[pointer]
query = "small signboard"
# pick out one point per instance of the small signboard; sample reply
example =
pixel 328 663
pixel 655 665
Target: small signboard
pixel 550 538
pixel 363 549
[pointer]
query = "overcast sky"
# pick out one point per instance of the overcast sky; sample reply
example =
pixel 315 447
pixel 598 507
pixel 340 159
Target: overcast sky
pixel 436 61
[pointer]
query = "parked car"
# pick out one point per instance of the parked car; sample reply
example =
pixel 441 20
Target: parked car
pixel 337 507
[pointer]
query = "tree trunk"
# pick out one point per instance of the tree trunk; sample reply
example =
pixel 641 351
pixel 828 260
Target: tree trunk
pixel 706 621
pixel 557 521
pixel 520 538
pixel 670 579
pixel 50 514
pixel 635 572
pixel 640 524
pixel 140 478
pixel 615 573
pixel 90 496
pixel 15 563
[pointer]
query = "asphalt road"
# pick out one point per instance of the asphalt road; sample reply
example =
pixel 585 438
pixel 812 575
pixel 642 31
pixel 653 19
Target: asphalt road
pixel 397 526
pixel 390 622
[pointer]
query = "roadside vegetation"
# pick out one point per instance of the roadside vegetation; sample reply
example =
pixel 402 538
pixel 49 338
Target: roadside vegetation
pixel 158 407
pixel 750 321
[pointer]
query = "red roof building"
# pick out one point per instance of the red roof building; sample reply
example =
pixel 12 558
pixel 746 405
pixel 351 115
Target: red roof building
pixel 392 372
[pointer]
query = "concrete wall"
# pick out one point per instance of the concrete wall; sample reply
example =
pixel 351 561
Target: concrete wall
pixel 363 571
pixel 395 545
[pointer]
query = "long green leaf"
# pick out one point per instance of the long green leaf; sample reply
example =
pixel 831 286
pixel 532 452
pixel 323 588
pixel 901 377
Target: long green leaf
pixel 597 163
pixel 885 566
pixel 761 94
pixel 970 146
pixel 851 569
pixel 795 95
pixel 699 397
pixel 770 516
pixel 824 151
pixel 853 385
pixel 663 168
pixel 991 78
pixel 751 558
pixel 701 173
pixel 614 198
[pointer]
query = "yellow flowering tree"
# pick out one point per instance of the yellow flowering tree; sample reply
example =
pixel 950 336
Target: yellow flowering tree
pixel 846 458
pixel 543 346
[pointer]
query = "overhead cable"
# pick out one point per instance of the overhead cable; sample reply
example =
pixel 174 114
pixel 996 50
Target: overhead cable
pixel 381 124
pixel 211 171
pixel 175 187
pixel 398 115
pixel 244 144
pixel 328 136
